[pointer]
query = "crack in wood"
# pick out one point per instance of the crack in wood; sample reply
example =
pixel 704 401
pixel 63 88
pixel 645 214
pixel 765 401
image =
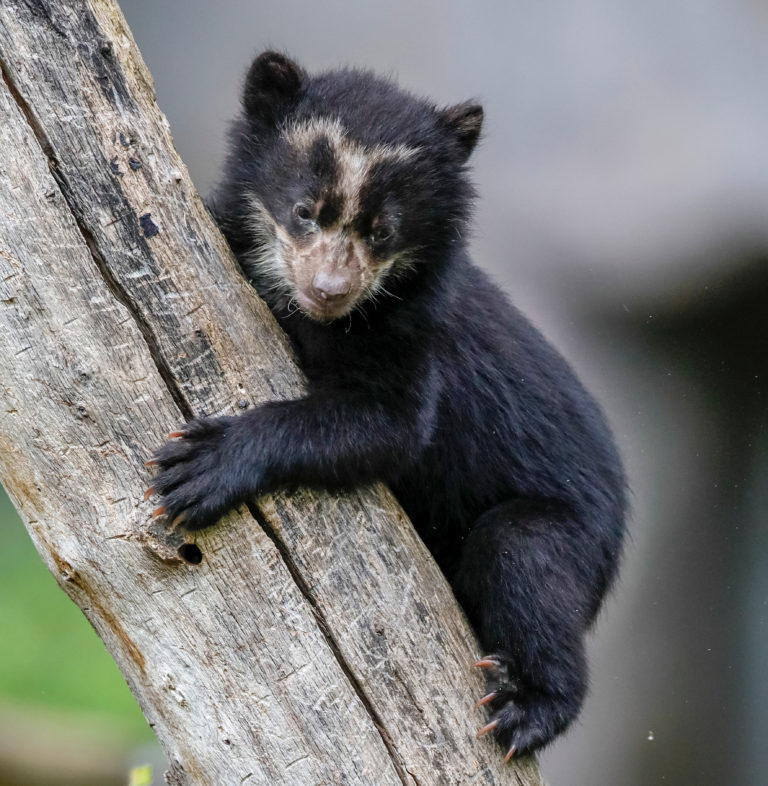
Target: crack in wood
pixel 333 645
pixel 296 761
pixel 114 286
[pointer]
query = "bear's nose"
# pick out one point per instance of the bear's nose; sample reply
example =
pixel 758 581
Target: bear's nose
pixel 330 285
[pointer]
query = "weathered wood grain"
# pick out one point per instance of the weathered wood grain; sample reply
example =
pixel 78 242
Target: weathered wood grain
pixel 317 642
pixel 226 658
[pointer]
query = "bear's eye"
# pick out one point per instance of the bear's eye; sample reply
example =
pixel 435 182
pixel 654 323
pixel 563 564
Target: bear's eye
pixel 381 232
pixel 303 211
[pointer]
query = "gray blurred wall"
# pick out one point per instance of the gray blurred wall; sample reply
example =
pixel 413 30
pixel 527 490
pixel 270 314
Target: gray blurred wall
pixel 624 206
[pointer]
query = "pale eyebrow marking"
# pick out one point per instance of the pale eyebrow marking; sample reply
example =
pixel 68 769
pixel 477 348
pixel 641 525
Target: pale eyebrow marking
pixel 353 159
pixel 303 134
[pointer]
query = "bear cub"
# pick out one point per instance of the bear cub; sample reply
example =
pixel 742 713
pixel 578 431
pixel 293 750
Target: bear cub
pixel 346 201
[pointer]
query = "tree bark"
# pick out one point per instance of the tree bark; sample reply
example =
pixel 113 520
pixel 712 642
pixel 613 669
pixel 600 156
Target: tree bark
pixel 316 642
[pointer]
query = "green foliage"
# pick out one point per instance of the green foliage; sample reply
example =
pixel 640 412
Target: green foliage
pixel 49 654
pixel 140 776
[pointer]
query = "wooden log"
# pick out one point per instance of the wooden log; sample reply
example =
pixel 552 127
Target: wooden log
pixel 316 641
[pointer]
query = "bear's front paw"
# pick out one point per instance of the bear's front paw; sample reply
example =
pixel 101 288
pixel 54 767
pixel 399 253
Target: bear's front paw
pixel 522 719
pixel 200 473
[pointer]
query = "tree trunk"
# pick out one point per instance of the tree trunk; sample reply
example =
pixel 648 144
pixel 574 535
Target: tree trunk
pixel 316 642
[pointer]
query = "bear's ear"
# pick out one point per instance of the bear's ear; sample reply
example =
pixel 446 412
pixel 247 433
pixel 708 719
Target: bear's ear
pixel 464 121
pixel 272 84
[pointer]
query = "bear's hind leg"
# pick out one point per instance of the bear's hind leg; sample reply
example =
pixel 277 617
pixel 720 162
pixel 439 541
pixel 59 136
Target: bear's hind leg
pixel 529 580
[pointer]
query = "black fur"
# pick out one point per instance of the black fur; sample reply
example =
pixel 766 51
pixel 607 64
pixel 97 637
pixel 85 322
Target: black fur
pixel 439 387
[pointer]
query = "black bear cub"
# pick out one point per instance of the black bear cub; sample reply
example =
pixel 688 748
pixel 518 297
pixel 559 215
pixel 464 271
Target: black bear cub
pixel 346 201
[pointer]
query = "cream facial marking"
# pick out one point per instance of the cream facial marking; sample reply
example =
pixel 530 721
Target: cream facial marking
pixel 304 271
pixel 272 247
pixel 354 161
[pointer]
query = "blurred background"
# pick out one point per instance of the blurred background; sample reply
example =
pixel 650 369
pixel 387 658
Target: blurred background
pixel 623 182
